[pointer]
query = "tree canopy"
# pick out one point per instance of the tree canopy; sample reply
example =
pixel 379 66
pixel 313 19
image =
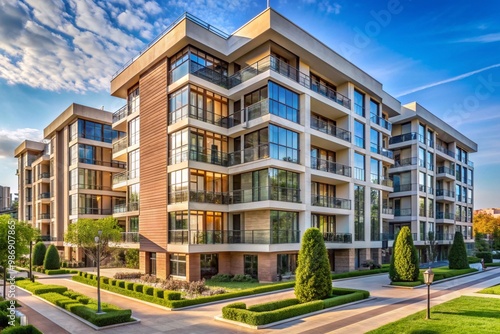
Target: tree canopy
pixel 23 233
pixel 485 223
pixel 83 232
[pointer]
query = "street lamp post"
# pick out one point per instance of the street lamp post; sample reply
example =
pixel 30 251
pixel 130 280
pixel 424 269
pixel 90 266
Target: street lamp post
pixel 428 279
pixel 98 242
pixel 31 262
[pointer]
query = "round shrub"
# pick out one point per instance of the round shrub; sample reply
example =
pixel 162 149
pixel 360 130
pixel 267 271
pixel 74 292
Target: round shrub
pixel 404 260
pixel 313 280
pixel 51 260
pixel 39 253
pixel 458 254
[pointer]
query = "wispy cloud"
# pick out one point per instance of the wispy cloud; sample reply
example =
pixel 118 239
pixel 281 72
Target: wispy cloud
pixel 325 6
pixel 10 139
pixel 456 78
pixel 486 38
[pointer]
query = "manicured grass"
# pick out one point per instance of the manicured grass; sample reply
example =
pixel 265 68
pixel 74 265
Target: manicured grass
pixel 440 273
pixel 492 290
pixel 460 315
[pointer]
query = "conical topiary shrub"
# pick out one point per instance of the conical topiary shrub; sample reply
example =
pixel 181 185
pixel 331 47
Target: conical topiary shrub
pixel 312 278
pixel 404 260
pixel 458 254
pixel 39 253
pixel 51 260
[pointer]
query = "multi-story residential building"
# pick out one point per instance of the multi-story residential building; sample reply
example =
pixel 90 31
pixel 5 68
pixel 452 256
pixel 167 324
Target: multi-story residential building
pixel 69 175
pixel 433 180
pixel 236 144
pixel 495 212
pixel 5 198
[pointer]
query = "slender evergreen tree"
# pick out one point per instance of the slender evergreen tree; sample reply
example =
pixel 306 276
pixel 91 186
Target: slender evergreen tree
pixel 313 278
pixel 39 253
pixel 51 260
pixel 458 254
pixel 404 260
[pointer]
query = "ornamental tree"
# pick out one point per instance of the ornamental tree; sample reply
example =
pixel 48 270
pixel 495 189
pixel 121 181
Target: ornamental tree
pixel 51 260
pixel 15 238
pixel 458 254
pixel 39 253
pixel 404 260
pixel 312 278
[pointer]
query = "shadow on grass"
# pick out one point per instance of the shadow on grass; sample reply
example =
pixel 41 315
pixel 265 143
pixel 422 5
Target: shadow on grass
pixel 477 314
pixel 424 331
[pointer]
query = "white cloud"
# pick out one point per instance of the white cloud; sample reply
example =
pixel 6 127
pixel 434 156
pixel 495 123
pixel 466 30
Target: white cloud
pixel 325 6
pixel 10 139
pixel 487 38
pixel 441 82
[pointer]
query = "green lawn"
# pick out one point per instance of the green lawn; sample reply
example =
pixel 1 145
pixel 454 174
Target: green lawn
pixel 492 290
pixel 440 273
pixel 460 315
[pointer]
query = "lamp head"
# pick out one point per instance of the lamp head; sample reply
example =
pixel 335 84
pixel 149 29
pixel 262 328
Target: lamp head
pixel 428 276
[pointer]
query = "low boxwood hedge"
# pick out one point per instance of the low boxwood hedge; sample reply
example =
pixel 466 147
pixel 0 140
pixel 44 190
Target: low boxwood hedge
pixel 138 287
pixel 148 290
pixel 60 271
pixel 28 329
pixel 266 313
pixel 38 288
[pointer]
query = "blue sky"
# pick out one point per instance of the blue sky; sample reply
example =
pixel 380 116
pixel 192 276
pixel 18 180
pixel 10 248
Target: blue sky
pixel 443 54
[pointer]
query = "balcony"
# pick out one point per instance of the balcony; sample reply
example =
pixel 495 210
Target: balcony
pixel 405 162
pixel 120 144
pixel 44 195
pixel 325 127
pixel 445 215
pixel 445 193
pixel 403 187
pixel 444 236
pixel 200 154
pixel 381 121
pixel 193 112
pixel 45 175
pixel 330 202
pixel 402 212
pixel 259 109
pixel 382 151
pixel 271 193
pixel 198 197
pixel 91 211
pixel 123 208
pixel 264 151
pixel 337 238
pixel 120 114
pixel 130 237
pixel 209 237
pixel 387 211
pixel 330 167
pixel 276 65
pixel 47 238
pixel 385 181
pixel 403 138
pixel 125 176
pixel 445 151
pixel 114 164
pixel 43 216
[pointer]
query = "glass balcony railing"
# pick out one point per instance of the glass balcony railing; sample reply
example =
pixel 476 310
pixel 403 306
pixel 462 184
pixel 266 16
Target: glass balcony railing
pixel 199 196
pixel 402 212
pixel 387 211
pixel 120 144
pixel 339 238
pixel 403 187
pixel 445 192
pixel 114 164
pixel 382 151
pixel 48 238
pixel 330 202
pixel 330 166
pixel 271 193
pixel 381 121
pixel 208 237
pixel 120 113
pixel 404 137
pixel 445 215
pixel 200 154
pixel 45 175
pixel 123 207
pixel 445 170
pixel 329 129
pixel 91 211
pixel 194 112
pixel 276 65
pixel 44 216
pixel 130 237
pixel 125 176
pixel 264 151
pixel 405 162
pixel 44 195
pixel 445 151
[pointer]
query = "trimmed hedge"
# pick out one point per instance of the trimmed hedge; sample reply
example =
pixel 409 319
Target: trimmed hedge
pixel 148 290
pixel 38 288
pixel 29 329
pixel 487 256
pixel 60 271
pixel 172 299
pixel 266 313
pixel 138 287
pixel 358 273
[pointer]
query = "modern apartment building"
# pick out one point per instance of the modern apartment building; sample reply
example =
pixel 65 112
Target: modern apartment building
pixel 236 144
pixel 5 198
pixel 495 212
pixel 433 180
pixel 69 175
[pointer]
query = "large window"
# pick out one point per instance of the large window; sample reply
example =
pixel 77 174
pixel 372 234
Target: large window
pixel 421 157
pixel 359 166
pixel 359 134
pixel 421 133
pixel 85 204
pixel 284 226
pixel 283 102
pixel 375 141
pixel 209 265
pixel 251 265
pixel 134 164
pixel 359 213
pixel 196 102
pixel 90 154
pixel 275 142
pixel 266 184
pixel 133 196
pixel 178 265
pixel 359 103
pixel 198 63
pixel 286 263
pixel 198 145
pixel 208 187
pixel 375 215
pixel 375 170
pixel 133 101
pixel 94 131
pixel 178 182
pixel 325 223
pixel 374 108
pixel 134 131
pixel 82 178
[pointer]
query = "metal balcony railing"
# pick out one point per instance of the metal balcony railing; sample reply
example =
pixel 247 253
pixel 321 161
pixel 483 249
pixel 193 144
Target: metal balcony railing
pixel 445 215
pixel 201 154
pixel 339 238
pixel 381 121
pixel 199 196
pixel 330 202
pixel 445 170
pixel 332 130
pixel 330 166
pixel 271 193
pixel 130 237
pixel 405 162
pixel 120 144
pixel 208 237
pixel 404 137
pixel 445 192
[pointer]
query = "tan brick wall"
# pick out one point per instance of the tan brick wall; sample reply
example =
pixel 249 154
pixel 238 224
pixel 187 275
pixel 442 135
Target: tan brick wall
pixel 162 265
pixel 225 263
pixel 193 267
pixel 237 266
pixel 267 267
pixel 142 262
pixel 344 260
pixel 376 255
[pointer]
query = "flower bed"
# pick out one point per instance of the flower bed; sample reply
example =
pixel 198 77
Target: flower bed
pixel 266 313
pixel 78 304
pixel 168 298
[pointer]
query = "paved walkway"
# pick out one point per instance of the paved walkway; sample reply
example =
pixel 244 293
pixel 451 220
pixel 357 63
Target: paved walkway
pixel 388 304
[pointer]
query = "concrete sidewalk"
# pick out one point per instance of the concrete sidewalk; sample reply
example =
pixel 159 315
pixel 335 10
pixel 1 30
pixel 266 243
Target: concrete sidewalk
pixel 389 304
